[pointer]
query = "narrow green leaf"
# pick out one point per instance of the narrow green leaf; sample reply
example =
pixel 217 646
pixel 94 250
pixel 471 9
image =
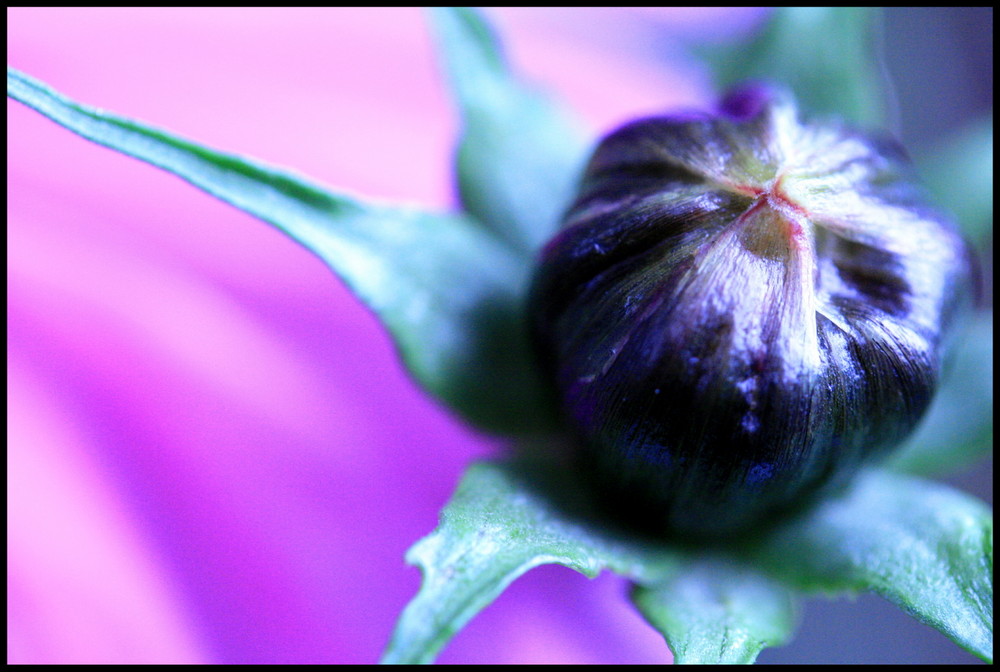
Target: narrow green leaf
pixel 503 520
pixel 520 154
pixel 826 55
pixel 714 612
pixel 959 174
pixel 922 545
pixel 958 429
pixel 450 294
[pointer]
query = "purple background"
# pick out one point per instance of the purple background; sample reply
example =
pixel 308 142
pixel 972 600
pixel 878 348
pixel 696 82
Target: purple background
pixel 213 453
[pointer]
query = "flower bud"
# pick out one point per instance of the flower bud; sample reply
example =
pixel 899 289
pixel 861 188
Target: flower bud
pixel 741 310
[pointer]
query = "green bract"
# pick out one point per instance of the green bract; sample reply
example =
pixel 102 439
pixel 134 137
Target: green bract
pixel 456 311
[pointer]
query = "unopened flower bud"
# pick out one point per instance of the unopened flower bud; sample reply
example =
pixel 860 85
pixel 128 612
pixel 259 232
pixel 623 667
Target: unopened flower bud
pixel 742 309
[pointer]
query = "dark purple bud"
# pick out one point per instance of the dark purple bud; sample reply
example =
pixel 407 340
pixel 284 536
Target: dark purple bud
pixel 742 310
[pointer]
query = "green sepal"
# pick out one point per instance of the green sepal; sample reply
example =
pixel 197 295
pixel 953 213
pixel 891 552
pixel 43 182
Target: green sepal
pixel 921 545
pixel 826 55
pixel 716 612
pixel 520 154
pixel 508 517
pixel 959 175
pixel 504 519
pixel 449 292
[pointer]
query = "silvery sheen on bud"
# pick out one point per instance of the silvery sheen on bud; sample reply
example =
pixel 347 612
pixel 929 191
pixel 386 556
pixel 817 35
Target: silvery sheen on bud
pixel 741 310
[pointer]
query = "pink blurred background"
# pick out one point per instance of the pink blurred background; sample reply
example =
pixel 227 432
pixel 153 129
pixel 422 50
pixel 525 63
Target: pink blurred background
pixel 213 453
